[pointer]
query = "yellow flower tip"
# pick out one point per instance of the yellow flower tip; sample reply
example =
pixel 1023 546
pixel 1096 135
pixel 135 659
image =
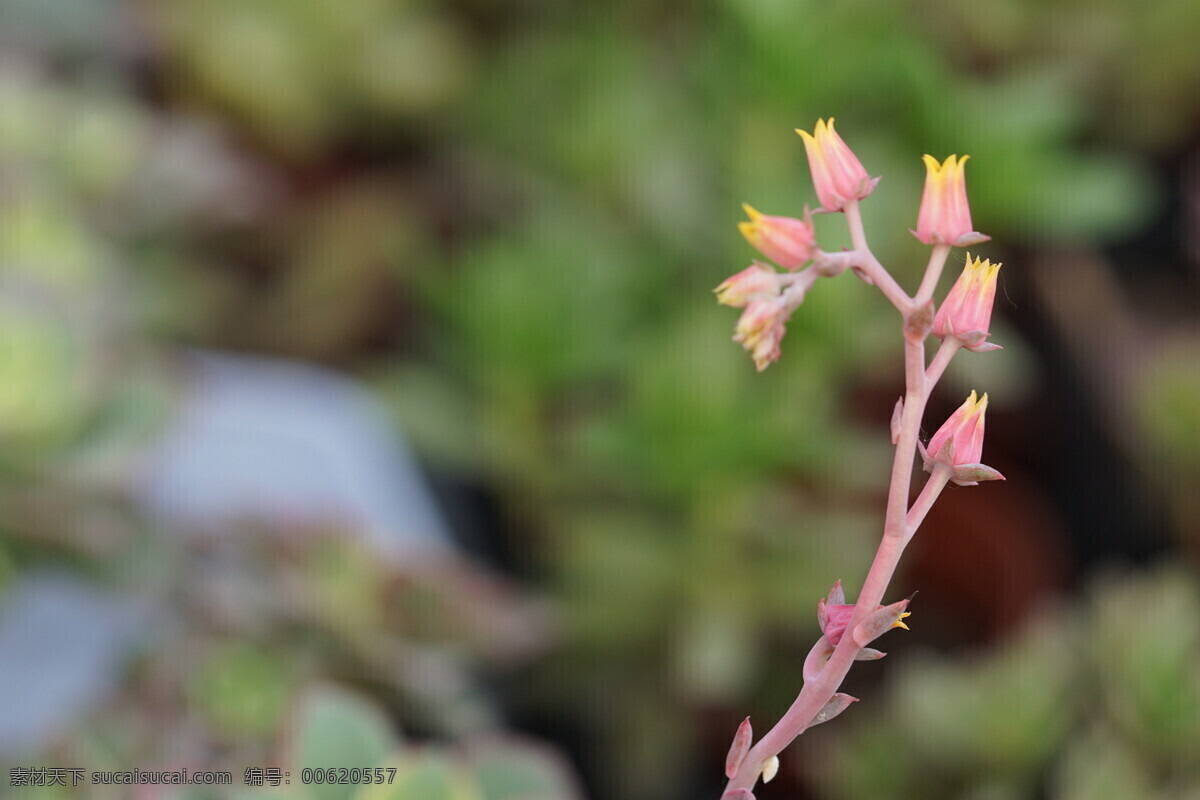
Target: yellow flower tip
pixel 749 230
pixel 931 164
pixel 899 623
pixel 751 211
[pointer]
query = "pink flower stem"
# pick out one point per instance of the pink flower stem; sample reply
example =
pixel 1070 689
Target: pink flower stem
pixel 937 260
pixel 925 500
pixel 941 359
pixel 796 286
pixel 870 266
pixel 900 521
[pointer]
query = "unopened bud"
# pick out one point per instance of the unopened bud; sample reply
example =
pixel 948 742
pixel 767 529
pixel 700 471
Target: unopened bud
pixel 756 280
pixel 966 312
pixel 770 768
pixel 761 328
pixel 945 217
pixel 959 444
pixel 838 175
pixel 787 241
pixel 739 748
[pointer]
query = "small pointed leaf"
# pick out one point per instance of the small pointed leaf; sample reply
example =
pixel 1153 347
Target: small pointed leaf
pixel 739 748
pixel 836 705
pixel 897 412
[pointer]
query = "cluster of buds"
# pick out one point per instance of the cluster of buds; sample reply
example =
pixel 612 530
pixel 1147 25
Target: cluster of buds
pixel 768 297
pixel 840 179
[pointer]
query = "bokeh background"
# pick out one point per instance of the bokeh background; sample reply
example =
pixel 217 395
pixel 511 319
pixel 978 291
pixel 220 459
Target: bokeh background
pixel 363 398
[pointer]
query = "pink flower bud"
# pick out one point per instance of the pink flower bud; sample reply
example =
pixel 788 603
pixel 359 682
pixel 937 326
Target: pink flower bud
pixel 756 280
pixel 761 328
pixel 834 614
pixel 880 620
pixel 945 217
pixel 788 242
pixel 959 442
pixel 837 174
pixel 967 311
pixel 837 617
pixel 833 619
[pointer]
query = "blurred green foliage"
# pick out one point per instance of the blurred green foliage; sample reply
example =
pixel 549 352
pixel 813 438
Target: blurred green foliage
pixel 507 215
pixel 337 731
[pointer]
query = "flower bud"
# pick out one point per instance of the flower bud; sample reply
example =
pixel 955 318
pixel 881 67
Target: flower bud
pixel 882 619
pixel 963 432
pixel 788 242
pixel 835 617
pixel 966 312
pixel 770 769
pixel 756 280
pixel 959 444
pixel 837 174
pixel 945 217
pixel 761 328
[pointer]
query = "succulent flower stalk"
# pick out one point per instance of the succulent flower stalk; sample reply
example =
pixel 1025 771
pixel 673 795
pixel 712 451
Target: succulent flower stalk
pixel 768 298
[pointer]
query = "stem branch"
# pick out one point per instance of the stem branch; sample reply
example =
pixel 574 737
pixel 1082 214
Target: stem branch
pixel 900 522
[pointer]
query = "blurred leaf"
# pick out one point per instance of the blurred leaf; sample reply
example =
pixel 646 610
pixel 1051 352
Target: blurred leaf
pixel 1146 640
pixel 424 777
pixel 243 689
pixel 334 728
pixel 1099 767
pixel 511 771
